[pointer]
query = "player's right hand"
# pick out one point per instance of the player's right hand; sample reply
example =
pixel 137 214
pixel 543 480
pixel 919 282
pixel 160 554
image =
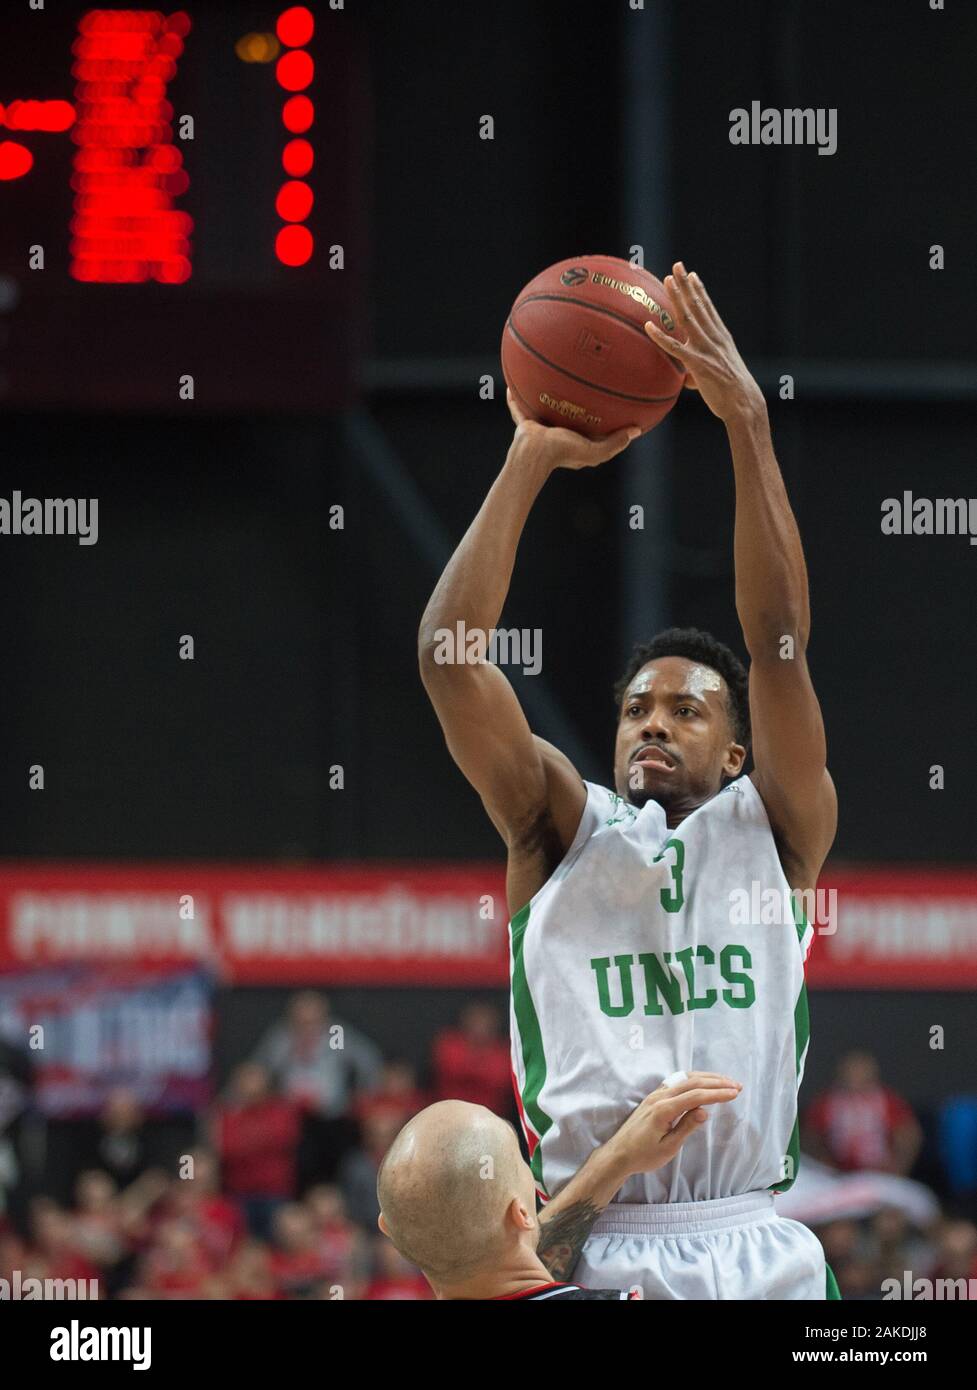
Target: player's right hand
pixel 557 447
pixel 656 1129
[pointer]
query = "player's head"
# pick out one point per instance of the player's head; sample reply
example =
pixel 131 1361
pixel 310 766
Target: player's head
pixel 456 1197
pixel 687 694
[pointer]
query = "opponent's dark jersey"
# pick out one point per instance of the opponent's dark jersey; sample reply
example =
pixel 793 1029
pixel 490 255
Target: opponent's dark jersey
pixel 561 1291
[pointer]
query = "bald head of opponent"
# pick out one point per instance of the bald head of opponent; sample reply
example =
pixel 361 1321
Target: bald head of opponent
pixel 458 1200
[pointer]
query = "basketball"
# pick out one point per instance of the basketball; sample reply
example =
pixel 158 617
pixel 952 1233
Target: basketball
pixel 575 353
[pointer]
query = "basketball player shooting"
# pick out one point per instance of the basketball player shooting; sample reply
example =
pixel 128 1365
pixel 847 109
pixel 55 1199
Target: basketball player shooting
pixel 630 962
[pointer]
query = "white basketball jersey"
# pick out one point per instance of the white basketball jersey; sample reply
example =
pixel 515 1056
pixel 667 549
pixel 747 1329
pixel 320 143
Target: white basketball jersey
pixel 650 951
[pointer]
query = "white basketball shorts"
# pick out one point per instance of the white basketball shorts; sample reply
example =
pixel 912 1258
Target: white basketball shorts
pixel 732 1248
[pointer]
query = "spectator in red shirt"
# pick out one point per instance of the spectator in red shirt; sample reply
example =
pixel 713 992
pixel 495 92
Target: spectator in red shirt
pixel 397 1094
pixel 249 1275
pixel 859 1125
pixel 176 1265
pixel 299 1264
pixel 256 1135
pixel 472 1061
pixel 341 1243
pixel 214 1221
pixel 396 1278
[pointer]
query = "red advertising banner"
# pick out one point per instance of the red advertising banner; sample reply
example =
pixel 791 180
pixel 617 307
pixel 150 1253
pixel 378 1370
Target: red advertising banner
pixel 389 925
pixel 909 928
pixel 429 924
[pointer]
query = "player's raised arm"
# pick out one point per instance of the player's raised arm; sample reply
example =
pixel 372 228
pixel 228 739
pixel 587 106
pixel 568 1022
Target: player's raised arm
pixel 516 775
pixel 771 590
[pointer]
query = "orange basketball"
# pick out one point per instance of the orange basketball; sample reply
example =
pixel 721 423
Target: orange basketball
pixel 575 353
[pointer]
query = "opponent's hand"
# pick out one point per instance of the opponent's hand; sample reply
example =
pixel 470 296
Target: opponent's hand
pixel 556 447
pixel 708 353
pixel 655 1130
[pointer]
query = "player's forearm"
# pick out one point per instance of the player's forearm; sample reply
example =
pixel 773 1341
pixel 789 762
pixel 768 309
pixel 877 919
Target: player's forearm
pixel 473 588
pixel 566 1223
pixel 771 576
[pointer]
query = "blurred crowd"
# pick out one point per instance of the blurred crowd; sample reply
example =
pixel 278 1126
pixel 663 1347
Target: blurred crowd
pixel 896 1231
pixel 275 1196
pixel 279 1200
pixel 868 1254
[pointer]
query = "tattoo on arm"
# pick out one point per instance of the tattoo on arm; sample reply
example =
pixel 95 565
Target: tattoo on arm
pixel 562 1238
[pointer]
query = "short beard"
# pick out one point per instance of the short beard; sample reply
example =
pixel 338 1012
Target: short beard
pixel 642 795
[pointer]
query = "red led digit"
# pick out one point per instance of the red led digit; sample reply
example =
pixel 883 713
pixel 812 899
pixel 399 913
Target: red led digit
pixel 297 158
pixel 15 160
pixel 294 243
pixel 295 26
pixel 37 115
pixel 295 70
pixel 127 170
pixel 298 114
pixel 294 201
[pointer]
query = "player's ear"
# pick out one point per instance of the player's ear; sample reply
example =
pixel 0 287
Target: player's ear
pixel 520 1216
pixel 735 758
pixel 382 1224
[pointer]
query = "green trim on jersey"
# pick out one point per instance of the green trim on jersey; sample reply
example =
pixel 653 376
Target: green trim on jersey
pixel 530 1042
pixel 831 1289
pixel 802 1036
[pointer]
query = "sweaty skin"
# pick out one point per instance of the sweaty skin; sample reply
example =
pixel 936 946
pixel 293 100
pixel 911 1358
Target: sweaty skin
pixel 700 679
pixel 681 708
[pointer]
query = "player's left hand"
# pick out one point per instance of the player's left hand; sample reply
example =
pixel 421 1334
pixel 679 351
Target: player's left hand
pixel 708 353
pixel 656 1129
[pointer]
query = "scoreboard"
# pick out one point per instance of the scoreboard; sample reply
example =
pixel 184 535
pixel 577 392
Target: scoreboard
pixel 180 200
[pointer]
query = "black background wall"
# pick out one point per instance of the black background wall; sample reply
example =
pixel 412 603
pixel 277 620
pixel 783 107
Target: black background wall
pixel 217 527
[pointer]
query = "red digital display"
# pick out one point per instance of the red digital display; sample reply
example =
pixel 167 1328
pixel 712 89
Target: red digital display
pixel 128 172
pixel 166 205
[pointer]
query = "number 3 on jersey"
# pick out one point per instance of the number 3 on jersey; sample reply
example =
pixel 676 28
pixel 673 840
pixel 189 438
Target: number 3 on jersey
pixel 673 898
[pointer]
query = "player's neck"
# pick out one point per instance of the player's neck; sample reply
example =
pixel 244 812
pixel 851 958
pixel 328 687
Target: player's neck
pixel 678 812
pixel 525 1273
pixel 675 812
